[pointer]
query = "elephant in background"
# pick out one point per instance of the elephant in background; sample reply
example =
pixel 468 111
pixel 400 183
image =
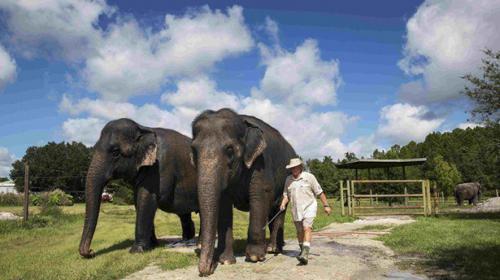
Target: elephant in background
pixel 157 163
pixel 468 191
pixel 240 161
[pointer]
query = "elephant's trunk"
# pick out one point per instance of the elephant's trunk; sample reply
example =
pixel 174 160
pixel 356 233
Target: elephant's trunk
pixel 96 180
pixel 208 194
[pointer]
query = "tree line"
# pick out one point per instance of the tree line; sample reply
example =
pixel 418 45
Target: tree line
pixel 452 157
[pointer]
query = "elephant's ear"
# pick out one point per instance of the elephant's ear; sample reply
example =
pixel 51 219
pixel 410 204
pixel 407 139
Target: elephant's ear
pixel 254 143
pixel 146 146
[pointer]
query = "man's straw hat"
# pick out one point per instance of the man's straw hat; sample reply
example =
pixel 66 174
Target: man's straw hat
pixel 294 162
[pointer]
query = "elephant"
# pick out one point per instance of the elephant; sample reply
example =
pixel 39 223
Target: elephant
pixel 240 161
pixel 468 191
pixel 156 162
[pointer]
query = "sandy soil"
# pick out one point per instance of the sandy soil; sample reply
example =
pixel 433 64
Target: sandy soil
pixel 487 206
pixel 340 251
pixel 8 216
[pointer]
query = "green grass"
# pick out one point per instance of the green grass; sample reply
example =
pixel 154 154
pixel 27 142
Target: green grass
pixel 376 227
pixel 467 246
pixel 47 247
pixel 49 250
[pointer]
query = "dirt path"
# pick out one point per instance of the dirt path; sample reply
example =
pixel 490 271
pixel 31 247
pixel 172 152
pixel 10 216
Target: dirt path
pixel 340 251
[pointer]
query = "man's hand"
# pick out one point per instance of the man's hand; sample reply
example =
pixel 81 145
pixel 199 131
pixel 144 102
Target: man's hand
pixel 326 207
pixel 328 210
pixel 282 207
pixel 283 203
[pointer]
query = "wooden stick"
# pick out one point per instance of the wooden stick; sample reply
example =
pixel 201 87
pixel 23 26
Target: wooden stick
pixel 342 197
pixel 26 191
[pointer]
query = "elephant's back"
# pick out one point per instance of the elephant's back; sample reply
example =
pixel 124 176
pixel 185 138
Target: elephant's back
pixel 466 190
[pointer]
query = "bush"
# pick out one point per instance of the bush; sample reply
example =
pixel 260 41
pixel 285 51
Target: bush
pixel 56 197
pixel 11 199
pixel 50 210
pixel 122 192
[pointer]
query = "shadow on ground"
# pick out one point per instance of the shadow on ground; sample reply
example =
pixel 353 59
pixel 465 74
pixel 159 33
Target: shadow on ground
pixel 495 216
pixel 465 263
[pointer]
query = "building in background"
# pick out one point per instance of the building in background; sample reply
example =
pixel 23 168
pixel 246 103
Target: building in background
pixel 8 187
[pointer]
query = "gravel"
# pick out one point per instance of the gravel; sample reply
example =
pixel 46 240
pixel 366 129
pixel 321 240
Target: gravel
pixel 338 252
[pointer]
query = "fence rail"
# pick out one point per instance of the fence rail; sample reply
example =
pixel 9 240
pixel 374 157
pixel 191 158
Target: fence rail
pixel 385 195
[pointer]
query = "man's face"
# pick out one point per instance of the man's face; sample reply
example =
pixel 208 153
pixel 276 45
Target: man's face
pixel 296 171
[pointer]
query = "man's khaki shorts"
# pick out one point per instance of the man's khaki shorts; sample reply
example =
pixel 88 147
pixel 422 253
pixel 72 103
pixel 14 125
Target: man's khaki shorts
pixel 306 222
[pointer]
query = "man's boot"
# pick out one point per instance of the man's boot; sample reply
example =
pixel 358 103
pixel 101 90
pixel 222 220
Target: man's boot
pixel 304 255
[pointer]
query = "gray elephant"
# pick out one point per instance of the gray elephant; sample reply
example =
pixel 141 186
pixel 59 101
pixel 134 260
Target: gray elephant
pixel 157 163
pixel 241 161
pixel 468 191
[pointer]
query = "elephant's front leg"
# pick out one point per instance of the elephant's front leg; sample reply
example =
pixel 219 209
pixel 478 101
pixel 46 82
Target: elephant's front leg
pixel 146 206
pixel 225 231
pixel 259 210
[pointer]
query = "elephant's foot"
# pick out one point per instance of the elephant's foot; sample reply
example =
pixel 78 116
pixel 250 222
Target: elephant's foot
pixel 206 269
pixel 274 249
pixel 154 241
pixel 227 258
pixel 188 234
pixel 88 254
pixel 255 253
pixel 137 248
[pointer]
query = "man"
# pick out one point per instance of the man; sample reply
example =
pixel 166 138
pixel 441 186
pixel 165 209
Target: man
pixel 301 189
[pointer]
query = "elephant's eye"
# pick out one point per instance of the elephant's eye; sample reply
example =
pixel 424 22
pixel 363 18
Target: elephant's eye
pixel 115 152
pixel 230 153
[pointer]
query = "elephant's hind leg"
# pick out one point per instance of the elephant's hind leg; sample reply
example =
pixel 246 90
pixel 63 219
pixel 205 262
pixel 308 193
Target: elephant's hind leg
pixel 188 231
pixel 277 241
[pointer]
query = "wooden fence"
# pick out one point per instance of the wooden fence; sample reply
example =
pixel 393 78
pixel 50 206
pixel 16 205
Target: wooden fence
pixel 424 205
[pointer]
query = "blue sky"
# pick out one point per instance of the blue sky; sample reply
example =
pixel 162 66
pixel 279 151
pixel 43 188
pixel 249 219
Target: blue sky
pixel 332 77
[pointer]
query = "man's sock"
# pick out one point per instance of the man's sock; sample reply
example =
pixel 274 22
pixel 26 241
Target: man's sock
pixel 307 244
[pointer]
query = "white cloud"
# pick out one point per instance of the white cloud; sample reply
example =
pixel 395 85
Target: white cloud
pixel 272 29
pixel 7 68
pixel 445 40
pixel 200 93
pixel 192 43
pixel 54 28
pixel 98 112
pixel 132 61
pixel 85 130
pixel 294 85
pixel 307 131
pixel 309 81
pixel 466 125
pixel 299 77
pixel 126 59
pixel 362 146
pixel 6 160
pixel 125 65
pixel 403 122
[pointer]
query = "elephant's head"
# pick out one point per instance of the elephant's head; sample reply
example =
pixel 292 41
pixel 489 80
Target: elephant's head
pixel 224 145
pixel 123 147
pixel 478 185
